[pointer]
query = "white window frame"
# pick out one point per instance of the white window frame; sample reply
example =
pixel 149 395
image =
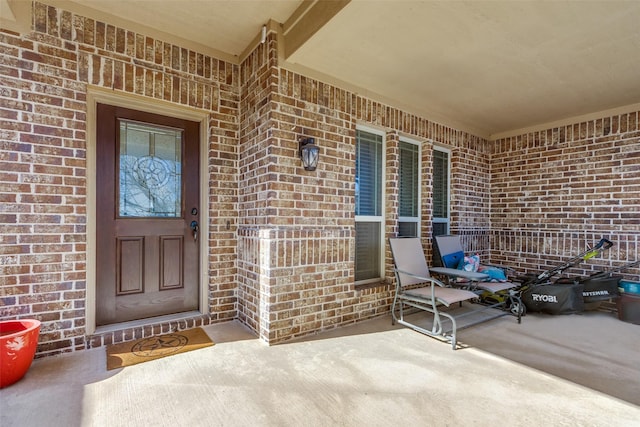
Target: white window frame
pixel 381 218
pixel 416 219
pixel 447 220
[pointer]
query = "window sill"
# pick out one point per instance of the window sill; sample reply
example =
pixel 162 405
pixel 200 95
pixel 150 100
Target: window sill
pixel 373 285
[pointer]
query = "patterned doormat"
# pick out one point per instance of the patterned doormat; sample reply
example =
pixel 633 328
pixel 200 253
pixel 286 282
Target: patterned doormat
pixel 151 348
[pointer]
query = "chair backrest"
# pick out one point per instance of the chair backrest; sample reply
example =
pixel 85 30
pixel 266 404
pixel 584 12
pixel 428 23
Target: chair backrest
pixel 450 250
pixel 408 256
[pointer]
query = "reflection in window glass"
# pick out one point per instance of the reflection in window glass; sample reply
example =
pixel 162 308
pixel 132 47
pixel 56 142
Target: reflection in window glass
pixel 150 166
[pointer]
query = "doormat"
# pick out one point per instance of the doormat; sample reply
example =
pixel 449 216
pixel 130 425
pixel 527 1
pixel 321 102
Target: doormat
pixel 151 348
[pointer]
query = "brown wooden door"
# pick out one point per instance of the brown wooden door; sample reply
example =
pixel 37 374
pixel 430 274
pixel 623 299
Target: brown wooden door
pixel 147 204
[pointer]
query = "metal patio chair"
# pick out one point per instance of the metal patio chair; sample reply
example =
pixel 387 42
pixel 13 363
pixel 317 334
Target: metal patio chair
pixel 417 290
pixel 499 294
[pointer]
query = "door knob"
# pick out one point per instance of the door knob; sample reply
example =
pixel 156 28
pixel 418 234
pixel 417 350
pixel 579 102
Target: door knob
pixel 194 230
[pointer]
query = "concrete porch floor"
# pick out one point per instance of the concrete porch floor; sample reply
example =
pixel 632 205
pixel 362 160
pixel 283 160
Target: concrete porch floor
pixel 549 371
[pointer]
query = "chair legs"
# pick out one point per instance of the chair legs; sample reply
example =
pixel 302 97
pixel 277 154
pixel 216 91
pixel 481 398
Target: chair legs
pixel 437 329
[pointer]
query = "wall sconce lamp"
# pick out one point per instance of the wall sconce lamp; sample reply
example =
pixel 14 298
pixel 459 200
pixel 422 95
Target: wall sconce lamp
pixel 309 153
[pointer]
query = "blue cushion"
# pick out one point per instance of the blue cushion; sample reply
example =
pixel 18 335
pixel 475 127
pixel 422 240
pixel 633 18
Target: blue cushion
pixel 494 273
pixel 453 260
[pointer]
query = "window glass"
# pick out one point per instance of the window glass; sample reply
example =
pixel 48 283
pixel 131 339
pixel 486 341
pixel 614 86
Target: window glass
pixel 368 174
pixel 150 175
pixel 408 204
pixel 440 228
pixel 369 206
pixel 367 251
pixel 440 192
pixel 407 229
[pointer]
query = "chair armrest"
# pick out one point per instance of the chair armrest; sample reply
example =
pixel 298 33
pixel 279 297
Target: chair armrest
pixel 452 272
pixel 426 279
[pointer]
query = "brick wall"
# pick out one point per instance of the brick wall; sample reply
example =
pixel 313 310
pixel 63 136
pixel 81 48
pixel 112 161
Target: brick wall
pixel 43 83
pixel 296 247
pixel 281 239
pixel 557 191
pixel 254 191
pixel 295 263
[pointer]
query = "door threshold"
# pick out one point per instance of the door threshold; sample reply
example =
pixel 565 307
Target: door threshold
pixel 146 322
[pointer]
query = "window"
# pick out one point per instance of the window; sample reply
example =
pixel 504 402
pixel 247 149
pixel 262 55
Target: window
pixel 369 206
pixel 409 191
pixel 150 175
pixel 440 191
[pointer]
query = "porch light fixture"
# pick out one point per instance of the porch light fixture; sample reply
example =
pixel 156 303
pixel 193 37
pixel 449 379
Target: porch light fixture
pixel 309 153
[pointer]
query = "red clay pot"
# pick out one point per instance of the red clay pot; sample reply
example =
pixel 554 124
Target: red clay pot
pixel 18 342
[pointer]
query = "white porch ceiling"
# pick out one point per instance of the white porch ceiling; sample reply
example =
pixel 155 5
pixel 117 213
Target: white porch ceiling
pixel 489 67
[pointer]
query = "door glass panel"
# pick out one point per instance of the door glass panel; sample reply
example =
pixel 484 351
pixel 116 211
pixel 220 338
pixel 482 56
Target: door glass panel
pixel 150 170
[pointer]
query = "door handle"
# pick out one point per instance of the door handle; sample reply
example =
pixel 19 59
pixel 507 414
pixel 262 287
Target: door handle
pixel 194 230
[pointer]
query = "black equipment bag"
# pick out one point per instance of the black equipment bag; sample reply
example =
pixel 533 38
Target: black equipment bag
pixel 596 288
pixel 554 298
pixel 600 288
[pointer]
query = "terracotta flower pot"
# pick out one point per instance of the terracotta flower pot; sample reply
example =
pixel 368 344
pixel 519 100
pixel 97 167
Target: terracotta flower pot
pixel 18 342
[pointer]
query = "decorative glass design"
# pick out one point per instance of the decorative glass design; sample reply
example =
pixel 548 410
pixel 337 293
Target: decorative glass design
pixel 150 170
